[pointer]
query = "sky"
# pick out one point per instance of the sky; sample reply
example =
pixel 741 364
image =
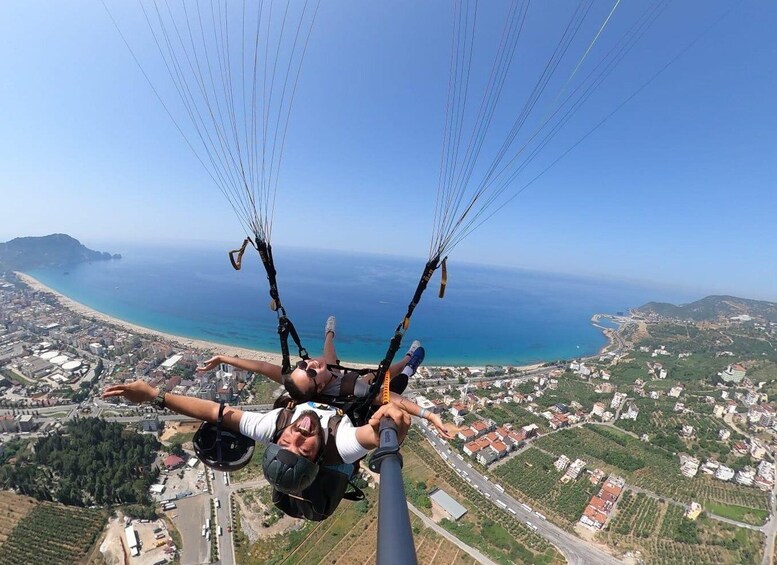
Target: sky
pixel 676 187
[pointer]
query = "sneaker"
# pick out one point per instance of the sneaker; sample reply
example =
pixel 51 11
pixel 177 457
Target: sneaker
pixel 415 361
pixel 330 325
pixel 413 346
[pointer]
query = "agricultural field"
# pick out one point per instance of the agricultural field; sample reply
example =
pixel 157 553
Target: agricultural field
pixel 492 530
pixel 52 534
pixel 349 537
pixel 646 466
pixel 636 516
pixel 263 390
pixel 530 476
pixel 13 508
pixel 571 388
pixel 674 539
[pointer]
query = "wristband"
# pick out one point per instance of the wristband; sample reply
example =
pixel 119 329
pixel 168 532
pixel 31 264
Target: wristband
pixel 159 401
pixel 423 413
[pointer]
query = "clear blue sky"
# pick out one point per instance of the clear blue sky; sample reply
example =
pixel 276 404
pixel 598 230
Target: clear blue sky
pixel 678 187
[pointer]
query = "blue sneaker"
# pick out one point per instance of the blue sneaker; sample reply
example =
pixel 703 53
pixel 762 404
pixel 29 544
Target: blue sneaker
pixel 415 361
pixel 413 346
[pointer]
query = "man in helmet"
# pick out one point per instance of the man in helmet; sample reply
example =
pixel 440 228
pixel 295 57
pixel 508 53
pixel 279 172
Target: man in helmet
pixel 313 378
pixel 297 446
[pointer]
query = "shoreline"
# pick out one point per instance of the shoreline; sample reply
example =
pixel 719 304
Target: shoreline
pixel 202 345
pixel 222 349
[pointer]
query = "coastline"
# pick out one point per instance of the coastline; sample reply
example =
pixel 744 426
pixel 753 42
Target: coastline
pixel 219 348
pixel 191 343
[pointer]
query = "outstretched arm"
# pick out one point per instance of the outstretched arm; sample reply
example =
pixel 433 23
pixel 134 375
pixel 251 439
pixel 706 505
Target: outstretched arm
pixel 205 410
pixel 269 370
pixel 414 409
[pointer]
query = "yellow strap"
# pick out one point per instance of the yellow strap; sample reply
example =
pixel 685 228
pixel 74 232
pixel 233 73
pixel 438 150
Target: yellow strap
pixel 386 388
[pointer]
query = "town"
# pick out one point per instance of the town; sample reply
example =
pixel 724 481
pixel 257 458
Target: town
pixel 663 443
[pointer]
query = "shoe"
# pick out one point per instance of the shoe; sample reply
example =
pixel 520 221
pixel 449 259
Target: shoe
pixel 415 361
pixel 413 346
pixel 330 325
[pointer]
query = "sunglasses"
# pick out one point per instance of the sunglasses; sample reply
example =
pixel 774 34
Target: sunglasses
pixel 304 366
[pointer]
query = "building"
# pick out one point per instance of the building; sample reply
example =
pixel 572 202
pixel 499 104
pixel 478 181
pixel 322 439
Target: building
pixel 724 473
pixel 8 424
pixel 150 423
pixel 172 462
pixel 132 541
pixel 26 423
pixel 561 463
pixel 574 470
pixel 687 431
pixel 689 466
pixel 443 502
pixel 693 511
pixel 734 374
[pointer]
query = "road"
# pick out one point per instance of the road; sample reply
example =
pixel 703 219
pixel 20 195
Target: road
pixel 221 493
pixel 575 550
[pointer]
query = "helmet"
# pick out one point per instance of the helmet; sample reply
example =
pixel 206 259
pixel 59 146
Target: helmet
pixel 286 471
pixel 222 449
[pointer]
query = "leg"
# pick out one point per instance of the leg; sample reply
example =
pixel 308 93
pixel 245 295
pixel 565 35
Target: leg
pixel 330 355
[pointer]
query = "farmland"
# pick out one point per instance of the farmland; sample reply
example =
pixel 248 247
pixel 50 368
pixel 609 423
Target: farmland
pixel 13 508
pixel 52 534
pixel 646 466
pixel 496 533
pixel 660 533
pixel 530 476
pixel 350 535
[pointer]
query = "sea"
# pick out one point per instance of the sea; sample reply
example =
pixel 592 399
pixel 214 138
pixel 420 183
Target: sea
pixel 488 316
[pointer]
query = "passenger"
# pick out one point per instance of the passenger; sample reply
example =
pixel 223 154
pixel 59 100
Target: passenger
pixel 314 379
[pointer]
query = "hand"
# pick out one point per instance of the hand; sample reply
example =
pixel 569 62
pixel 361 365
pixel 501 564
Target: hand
pixel 401 419
pixel 137 392
pixel 210 364
pixel 437 422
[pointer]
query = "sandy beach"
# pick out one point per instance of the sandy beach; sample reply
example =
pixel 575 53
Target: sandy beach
pixel 86 311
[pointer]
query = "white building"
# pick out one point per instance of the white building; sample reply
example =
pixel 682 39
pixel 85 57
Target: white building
pixel 724 473
pixel 561 463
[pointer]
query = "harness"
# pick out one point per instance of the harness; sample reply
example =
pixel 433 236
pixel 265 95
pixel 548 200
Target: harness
pixel 358 409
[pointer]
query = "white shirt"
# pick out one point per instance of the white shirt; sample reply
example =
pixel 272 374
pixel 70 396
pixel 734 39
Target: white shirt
pixel 261 428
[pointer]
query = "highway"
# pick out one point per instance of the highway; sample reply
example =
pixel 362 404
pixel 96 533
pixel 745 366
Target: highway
pixel 575 550
pixel 223 520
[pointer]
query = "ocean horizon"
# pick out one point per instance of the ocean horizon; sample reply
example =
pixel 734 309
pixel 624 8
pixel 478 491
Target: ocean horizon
pixel 490 315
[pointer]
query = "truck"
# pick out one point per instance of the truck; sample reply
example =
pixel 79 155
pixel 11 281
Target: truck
pixel 220 530
pixel 500 488
pixel 501 504
pixel 526 507
pixel 217 502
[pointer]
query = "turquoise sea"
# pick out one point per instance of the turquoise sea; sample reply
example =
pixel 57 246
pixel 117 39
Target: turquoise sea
pixel 490 315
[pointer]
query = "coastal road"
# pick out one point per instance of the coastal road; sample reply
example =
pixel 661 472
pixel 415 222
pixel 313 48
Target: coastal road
pixel 575 550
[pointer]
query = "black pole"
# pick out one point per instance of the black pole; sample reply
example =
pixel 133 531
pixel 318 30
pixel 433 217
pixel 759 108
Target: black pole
pixel 395 537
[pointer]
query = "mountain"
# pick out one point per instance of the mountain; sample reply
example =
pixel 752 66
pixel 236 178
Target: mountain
pixel 713 308
pixel 53 250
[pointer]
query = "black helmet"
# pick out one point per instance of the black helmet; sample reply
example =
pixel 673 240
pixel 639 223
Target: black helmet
pixel 286 471
pixel 221 449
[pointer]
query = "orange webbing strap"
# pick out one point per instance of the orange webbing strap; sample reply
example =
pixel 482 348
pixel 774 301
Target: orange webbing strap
pixel 386 396
pixel 443 277
pixel 238 260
